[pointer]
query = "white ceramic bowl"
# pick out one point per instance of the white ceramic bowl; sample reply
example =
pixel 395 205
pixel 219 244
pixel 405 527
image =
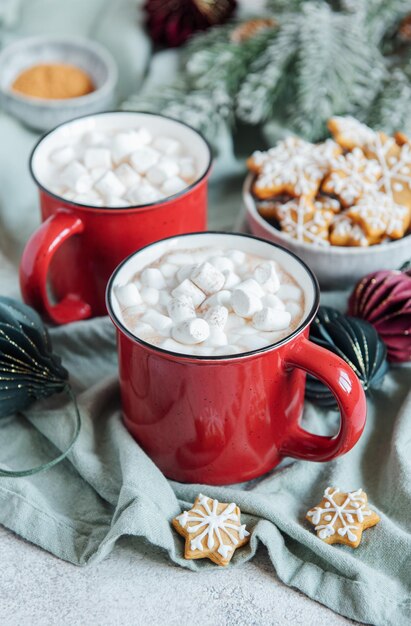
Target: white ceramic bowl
pixel 335 267
pixel 43 114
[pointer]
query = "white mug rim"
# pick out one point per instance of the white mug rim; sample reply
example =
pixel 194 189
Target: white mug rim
pixel 306 321
pixel 149 205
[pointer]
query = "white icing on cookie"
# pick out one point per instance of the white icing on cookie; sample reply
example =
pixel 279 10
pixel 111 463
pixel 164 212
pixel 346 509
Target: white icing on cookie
pixel 353 176
pixel 355 505
pixel 353 131
pixel 299 220
pixel 294 163
pixel 213 524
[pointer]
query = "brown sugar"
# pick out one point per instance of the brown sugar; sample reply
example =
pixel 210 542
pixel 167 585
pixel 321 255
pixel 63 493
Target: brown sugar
pixel 53 81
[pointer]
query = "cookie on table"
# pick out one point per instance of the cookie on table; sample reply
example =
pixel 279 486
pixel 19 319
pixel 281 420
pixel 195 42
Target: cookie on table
pixel 352 175
pixel 379 215
pixel 349 133
pixel 212 530
pixel 301 221
pixel 294 166
pixel 341 517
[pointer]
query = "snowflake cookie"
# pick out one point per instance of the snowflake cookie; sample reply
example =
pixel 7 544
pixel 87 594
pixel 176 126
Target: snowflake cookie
pixel 345 232
pixel 349 133
pixel 379 215
pixel 299 219
pixel 212 530
pixel 294 166
pixel 353 174
pixel 342 517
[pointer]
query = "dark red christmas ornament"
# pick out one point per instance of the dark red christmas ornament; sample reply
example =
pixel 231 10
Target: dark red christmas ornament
pixel 384 299
pixel 172 22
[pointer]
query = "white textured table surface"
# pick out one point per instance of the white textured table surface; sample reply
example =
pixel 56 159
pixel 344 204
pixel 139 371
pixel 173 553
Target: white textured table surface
pixel 136 586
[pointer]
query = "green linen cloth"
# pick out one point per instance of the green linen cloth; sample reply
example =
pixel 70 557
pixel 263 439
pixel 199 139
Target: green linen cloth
pixel 108 488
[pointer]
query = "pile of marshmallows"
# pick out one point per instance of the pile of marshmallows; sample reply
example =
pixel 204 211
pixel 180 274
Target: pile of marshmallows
pixel 120 168
pixel 211 303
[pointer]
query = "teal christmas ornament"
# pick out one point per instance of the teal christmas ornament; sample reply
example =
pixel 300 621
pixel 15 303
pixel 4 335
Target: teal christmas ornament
pixel 29 370
pixel 355 341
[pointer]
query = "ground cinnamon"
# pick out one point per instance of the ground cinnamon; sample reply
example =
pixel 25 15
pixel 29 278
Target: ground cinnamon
pixel 53 81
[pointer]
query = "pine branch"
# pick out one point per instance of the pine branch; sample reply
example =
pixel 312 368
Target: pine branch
pixel 390 111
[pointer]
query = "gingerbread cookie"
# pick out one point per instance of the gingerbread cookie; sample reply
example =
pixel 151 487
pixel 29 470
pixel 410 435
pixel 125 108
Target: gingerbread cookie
pixel 378 215
pixel 299 219
pixel 295 167
pixel 349 133
pixel 327 203
pixel 352 175
pixel 342 517
pixel 395 163
pixel 344 232
pixel 212 530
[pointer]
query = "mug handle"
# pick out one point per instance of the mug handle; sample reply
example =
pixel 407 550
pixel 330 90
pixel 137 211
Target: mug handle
pixel 34 265
pixel 350 396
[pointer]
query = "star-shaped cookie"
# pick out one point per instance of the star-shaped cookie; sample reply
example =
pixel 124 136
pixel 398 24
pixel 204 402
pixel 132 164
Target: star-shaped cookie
pixel 212 530
pixel 342 517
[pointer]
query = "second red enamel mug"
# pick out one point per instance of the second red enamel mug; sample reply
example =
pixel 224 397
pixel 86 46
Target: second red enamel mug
pixel 227 419
pixel 77 246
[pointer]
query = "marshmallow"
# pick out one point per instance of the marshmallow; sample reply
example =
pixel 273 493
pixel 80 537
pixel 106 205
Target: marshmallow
pixel 289 292
pixel 187 170
pixel 84 184
pixel 62 156
pixel 271 319
pixel 231 279
pixel 161 323
pixel 90 199
pixel 191 331
pixel 185 271
pixel 252 286
pixel 71 174
pixel 245 302
pixel 208 278
pixel 152 277
pixel 97 157
pixel 168 270
pixel 115 201
pixel 164 298
pixel 126 143
pixel 253 342
pixel 217 316
pixel 143 330
pixel 222 297
pixel 180 258
pixel 150 295
pixel 94 138
pixel 128 295
pixel 173 185
pixel 127 175
pixel 167 145
pixel 222 263
pixel 171 345
pixel 97 172
pixel 188 288
pixel 273 302
pixel 226 350
pixel 181 308
pixel 143 193
pixel 216 338
pixel 235 322
pixel 164 169
pixel 144 158
pixel 110 185
pixel 237 256
pixel 266 274
pixel 293 308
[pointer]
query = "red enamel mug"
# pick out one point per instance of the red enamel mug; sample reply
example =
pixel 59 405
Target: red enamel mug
pixel 227 419
pixel 77 246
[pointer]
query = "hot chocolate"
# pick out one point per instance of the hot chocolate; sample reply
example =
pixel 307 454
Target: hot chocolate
pixel 211 302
